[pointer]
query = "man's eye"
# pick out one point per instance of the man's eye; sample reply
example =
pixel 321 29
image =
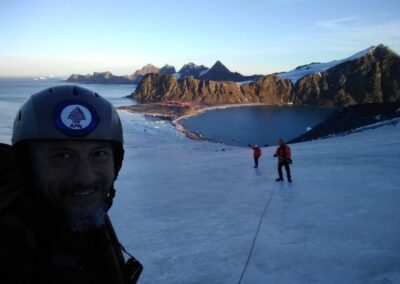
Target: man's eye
pixel 62 156
pixel 101 155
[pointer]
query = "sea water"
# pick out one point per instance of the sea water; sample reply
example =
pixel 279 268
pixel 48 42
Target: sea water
pixel 261 125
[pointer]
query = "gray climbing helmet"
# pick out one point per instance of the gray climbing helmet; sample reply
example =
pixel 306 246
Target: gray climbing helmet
pixel 67 112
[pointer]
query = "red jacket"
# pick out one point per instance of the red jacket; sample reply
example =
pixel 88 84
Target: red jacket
pixel 257 151
pixel 283 152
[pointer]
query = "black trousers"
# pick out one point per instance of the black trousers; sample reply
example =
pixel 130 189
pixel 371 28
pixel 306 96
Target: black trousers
pixel 287 169
pixel 256 162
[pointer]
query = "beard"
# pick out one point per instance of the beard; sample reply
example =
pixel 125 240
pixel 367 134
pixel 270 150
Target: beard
pixel 89 213
pixel 79 223
pixel 80 213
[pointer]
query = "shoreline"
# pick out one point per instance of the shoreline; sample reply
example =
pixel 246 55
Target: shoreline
pixel 339 122
pixel 175 114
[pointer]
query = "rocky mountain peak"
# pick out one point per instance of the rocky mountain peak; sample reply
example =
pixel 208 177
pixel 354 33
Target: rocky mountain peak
pixel 219 72
pixel 219 67
pixel 383 51
pixel 167 69
pixel 168 66
pixel 149 68
pixel 191 66
pixel 192 69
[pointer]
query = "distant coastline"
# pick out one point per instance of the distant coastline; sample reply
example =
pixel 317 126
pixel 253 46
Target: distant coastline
pixel 175 113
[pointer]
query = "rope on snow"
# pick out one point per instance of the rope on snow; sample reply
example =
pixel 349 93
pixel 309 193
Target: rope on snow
pixel 255 236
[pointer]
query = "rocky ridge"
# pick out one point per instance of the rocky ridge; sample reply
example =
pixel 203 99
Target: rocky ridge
pixel 373 77
pixel 158 88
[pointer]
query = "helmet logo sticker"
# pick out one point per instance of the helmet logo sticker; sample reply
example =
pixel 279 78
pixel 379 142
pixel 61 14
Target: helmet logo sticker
pixel 75 118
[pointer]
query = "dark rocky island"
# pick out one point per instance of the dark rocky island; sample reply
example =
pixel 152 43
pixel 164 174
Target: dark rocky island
pixel 99 78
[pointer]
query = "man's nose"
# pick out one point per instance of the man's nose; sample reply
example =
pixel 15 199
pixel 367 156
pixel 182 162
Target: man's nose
pixel 84 174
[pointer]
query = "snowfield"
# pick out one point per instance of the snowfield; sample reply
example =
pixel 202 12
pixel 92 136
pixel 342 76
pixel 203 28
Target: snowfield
pixel 189 210
pixel 317 68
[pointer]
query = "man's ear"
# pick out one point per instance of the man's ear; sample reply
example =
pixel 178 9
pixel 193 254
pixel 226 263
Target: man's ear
pixel 118 153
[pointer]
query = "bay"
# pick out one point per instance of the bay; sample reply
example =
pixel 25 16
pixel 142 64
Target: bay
pixel 261 125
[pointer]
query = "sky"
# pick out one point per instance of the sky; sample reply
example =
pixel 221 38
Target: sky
pixel 42 38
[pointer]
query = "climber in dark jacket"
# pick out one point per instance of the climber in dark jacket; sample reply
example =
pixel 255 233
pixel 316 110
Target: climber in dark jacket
pixel 56 186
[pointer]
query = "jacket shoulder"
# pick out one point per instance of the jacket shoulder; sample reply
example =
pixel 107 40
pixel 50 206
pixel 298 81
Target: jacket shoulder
pixel 11 179
pixel 16 246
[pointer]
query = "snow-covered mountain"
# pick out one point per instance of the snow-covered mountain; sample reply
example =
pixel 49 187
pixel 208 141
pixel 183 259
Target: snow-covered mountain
pixel 313 68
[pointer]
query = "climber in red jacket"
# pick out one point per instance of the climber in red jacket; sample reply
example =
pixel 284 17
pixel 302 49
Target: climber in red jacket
pixel 256 154
pixel 284 159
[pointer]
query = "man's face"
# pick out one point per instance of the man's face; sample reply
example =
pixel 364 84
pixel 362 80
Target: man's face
pixel 75 178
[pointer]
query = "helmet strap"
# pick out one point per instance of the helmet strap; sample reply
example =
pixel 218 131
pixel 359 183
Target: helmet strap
pixel 109 199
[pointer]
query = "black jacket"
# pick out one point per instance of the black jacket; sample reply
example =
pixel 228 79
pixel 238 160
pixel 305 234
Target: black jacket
pixel 36 246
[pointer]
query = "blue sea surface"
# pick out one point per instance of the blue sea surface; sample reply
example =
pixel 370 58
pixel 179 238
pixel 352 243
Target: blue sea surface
pixel 261 125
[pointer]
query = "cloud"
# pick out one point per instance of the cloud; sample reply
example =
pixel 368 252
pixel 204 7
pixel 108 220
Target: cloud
pixel 337 23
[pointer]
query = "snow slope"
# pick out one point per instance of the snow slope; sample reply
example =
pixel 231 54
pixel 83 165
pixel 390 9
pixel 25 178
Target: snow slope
pixel 189 210
pixel 300 72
